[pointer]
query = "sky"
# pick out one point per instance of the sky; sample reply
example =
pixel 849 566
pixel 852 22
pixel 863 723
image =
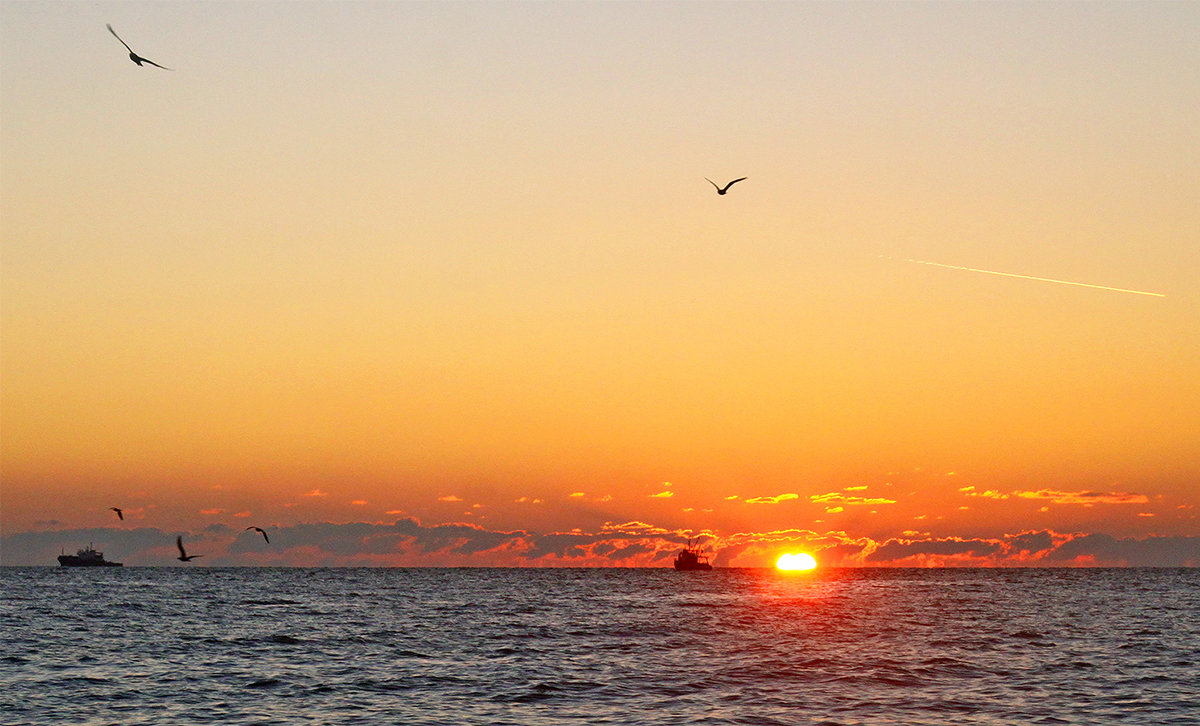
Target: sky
pixel 443 283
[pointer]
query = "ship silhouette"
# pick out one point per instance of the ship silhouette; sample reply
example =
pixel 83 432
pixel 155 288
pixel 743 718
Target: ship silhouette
pixel 691 558
pixel 86 557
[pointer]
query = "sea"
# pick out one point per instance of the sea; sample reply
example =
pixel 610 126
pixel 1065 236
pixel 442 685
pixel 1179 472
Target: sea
pixel 198 645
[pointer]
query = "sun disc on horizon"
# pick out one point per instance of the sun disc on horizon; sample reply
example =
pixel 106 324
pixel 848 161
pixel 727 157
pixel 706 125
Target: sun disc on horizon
pixel 798 561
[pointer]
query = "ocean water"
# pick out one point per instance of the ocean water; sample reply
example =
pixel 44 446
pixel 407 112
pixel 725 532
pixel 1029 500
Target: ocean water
pixel 188 645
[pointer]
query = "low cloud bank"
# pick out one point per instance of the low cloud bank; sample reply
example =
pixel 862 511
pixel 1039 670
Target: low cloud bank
pixel 409 543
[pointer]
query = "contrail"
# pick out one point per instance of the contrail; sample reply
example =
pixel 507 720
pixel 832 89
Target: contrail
pixel 1041 279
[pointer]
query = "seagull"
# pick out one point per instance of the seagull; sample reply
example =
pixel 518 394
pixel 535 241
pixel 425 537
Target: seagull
pixel 134 56
pixel 118 511
pixel 722 190
pixel 261 531
pixel 183 555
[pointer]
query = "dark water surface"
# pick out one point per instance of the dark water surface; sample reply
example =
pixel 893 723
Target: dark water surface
pixel 522 646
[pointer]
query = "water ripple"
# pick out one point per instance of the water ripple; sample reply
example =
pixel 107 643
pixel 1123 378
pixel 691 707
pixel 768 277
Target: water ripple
pixel 654 647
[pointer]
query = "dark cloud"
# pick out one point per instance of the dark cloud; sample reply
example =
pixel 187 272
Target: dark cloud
pixel 903 549
pixel 1101 549
pixel 43 548
pixel 1031 542
pixel 727 554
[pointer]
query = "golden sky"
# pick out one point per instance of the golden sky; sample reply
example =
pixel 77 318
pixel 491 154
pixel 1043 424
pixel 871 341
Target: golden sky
pixel 458 262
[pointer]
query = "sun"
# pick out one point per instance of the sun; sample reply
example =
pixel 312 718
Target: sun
pixel 798 561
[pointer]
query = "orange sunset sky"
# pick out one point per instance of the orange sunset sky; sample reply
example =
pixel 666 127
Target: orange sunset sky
pixel 444 284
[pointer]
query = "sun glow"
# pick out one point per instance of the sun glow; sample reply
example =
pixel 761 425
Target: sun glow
pixel 798 561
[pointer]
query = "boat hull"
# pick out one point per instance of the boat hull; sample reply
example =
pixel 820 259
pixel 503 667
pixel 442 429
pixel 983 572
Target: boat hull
pixel 692 560
pixel 73 561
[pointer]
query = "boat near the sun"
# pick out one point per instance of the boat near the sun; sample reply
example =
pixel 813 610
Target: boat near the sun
pixel 691 558
pixel 86 557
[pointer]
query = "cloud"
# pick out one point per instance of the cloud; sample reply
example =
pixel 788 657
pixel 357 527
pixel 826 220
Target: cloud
pixel 1106 551
pixel 970 491
pixel 634 528
pixel 773 500
pixel 833 498
pixel 449 498
pixel 358 502
pixel 897 549
pixel 212 511
pixel 1059 497
pixel 316 493
pixel 241 514
pixel 1038 549
pixel 408 542
pixel 665 494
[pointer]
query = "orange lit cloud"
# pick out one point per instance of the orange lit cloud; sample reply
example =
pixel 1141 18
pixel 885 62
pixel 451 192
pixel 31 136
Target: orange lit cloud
pixel 242 514
pixel 1058 497
pixel 633 528
pixel 834 498
pixel 773 500
pixel 449 498
pixel 359 502
pixel 212 511
pixel 317 493
pixel 989 493
pixel 665 494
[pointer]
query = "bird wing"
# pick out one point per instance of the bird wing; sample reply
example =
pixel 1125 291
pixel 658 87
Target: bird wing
pixel 179 544
pixel 265 537
pixel 119 38
pixel 710 181
pixel 147 60
pixel 735 181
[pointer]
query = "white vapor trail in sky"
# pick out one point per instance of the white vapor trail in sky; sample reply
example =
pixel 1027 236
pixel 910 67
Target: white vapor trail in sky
pixel 1032 277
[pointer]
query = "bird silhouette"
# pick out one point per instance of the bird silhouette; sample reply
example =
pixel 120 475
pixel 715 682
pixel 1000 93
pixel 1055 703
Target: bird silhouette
pixel 118 511
pixel 183 555
pixel 261 531
pixel 724 189
pixel 134 56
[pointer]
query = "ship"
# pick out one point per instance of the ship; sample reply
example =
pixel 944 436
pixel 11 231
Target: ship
pixel 86 557
pixel 691 558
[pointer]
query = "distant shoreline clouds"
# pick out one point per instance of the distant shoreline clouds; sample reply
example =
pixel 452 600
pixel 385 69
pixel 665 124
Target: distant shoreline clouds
pixel 409 543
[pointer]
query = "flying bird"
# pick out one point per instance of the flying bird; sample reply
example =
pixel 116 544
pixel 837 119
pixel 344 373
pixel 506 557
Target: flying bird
pixel 261 531
pixel 134 56
pixel 118 511
pixel 724 189
pixel 183 555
